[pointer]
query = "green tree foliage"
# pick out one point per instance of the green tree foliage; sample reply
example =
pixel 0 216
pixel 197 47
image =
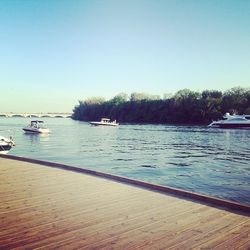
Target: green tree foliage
pixel 119 99
pixel 184 107
pixel 210 105
pixel 235 100
pixel 137 97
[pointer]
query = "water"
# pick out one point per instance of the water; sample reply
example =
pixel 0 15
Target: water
pixel 214 162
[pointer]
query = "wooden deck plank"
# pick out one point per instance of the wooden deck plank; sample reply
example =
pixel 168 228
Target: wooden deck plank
pixel 49 208
pixel 100 231
pixel 151 230
pixel 18 220
pixel 239 234
pixel 111 212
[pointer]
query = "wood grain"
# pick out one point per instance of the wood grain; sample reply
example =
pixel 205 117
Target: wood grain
pixel 51 208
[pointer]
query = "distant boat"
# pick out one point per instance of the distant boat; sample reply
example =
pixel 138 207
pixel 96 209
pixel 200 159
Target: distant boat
pixel 105 122
pixel 232 121
pixel 5 145
pixel 36 127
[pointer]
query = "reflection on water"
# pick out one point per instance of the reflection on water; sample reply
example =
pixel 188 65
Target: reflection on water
pixel 199 159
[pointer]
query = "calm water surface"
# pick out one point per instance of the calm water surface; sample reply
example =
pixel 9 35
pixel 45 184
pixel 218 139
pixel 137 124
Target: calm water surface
pixel 209 161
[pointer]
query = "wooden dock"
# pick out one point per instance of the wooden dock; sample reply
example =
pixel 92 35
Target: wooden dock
pixel 53 208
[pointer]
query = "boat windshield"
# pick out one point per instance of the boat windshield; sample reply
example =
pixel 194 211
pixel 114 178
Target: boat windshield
pixel 105 120
pixel 37 124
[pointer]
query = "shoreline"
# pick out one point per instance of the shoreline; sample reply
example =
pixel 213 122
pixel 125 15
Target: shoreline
pixel 193 196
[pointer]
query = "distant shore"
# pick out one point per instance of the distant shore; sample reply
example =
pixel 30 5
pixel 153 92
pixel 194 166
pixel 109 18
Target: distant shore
pixel 184 107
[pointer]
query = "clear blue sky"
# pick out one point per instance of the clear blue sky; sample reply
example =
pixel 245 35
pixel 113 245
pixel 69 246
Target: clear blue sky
pixel 56 52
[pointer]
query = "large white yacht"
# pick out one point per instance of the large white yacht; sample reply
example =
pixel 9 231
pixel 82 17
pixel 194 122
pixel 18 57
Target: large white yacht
pixel 232 121
pixel 105 122
pixel 5 145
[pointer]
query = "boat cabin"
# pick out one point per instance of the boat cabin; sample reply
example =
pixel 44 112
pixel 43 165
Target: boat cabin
pixel 105 120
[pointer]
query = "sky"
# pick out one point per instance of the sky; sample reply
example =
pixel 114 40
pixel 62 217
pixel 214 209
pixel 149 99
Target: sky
pixel 54 53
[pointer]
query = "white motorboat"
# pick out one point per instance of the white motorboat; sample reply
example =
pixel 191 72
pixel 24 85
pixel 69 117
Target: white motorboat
pixel 232 121
pixel 105 122
pixel 5 145
pixel 36 127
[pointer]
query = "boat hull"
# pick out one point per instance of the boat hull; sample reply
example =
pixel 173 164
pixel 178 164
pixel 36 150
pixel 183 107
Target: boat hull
pixel 4 149
pixel 103 124
pixel 5 145
pixel 230 125
pixel 36 131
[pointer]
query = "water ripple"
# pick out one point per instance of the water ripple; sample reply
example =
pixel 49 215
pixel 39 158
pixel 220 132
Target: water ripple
pixel 209 161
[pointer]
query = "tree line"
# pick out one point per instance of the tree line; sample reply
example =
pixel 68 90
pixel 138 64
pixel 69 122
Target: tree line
pixel 183 107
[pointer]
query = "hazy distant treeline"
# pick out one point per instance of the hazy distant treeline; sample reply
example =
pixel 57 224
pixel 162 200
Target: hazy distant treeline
pixel 184 107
